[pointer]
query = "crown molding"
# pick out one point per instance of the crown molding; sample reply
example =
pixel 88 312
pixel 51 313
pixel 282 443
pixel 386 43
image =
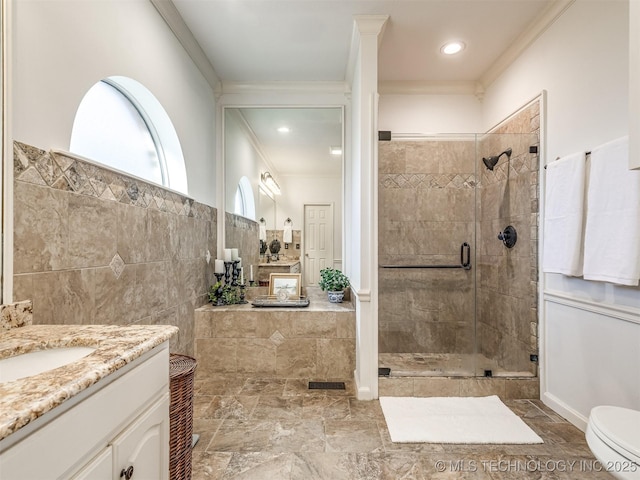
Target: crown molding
pixel 255 143
pixel 284 87
pixel 174 20
pixel 428 88
pixel 526 38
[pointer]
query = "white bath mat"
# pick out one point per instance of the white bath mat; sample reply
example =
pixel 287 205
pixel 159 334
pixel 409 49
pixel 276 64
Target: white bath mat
pixel 454 420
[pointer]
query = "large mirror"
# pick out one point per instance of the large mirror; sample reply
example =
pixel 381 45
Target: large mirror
pixel 283 184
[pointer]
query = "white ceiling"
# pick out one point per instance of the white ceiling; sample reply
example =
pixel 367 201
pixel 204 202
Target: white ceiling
pixel 304 150
pixel 309 40
pixel 262 41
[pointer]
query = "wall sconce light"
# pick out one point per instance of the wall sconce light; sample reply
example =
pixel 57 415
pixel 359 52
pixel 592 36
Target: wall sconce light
pixel 269 182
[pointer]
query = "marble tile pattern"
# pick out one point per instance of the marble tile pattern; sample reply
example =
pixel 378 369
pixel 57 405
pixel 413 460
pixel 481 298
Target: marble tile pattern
pixel 14 315
pixel 95 246
pixel 317 341
pixel 24 400
pixel 257 428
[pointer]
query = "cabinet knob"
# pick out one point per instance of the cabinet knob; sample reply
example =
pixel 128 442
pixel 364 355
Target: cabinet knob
pixel 128 473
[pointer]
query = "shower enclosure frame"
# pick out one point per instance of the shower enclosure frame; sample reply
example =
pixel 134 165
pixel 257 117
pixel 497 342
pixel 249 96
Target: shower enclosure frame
pixel 499 181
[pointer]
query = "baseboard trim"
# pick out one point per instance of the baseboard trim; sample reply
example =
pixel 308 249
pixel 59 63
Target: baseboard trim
pixel 561 408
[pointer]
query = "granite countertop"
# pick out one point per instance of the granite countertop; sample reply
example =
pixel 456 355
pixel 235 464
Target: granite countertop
pixel 23 401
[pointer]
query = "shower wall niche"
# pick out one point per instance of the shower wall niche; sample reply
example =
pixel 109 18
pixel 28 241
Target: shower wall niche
pixel 435 194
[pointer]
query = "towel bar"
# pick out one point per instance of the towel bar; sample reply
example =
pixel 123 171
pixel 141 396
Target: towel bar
pixel 465 261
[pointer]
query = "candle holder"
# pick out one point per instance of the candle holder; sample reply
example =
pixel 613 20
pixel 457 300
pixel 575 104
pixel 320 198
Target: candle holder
pixel 219 289
pixel 234 278
pixel 227 271
pixel 242 293
pixel 251 282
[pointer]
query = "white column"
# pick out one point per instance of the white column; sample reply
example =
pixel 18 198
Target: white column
pixel 361 188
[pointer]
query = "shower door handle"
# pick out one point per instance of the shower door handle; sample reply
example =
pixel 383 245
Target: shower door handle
pixel 465 256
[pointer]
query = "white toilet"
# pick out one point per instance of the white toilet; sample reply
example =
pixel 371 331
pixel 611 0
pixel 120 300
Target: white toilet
pixel 613 435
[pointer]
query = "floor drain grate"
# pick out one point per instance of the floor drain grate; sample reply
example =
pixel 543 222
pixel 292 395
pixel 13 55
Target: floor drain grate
pixel 384 372
pixel 326 386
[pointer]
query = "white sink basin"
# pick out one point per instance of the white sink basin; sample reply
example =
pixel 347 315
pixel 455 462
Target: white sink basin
pixel 39 361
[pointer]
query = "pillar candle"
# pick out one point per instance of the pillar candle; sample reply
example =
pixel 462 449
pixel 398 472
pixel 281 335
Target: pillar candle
pixel 227 254
pixel 251 273
pixel 219 266
pixel 242 276
pixel 234 254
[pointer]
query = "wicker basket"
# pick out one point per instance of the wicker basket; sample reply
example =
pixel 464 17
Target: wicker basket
pixel 181 372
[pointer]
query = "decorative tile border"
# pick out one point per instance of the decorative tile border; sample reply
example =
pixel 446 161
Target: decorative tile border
pixel 14 315
pixel 64 172
pixel 426 180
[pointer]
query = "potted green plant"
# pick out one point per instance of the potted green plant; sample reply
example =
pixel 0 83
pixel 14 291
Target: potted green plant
pixel 334 282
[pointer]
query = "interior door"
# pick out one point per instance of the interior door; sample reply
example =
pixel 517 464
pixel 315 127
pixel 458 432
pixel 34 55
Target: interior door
pixel 318 241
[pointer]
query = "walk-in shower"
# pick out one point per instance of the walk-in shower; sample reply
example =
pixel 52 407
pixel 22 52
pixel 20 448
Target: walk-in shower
pixel 453 301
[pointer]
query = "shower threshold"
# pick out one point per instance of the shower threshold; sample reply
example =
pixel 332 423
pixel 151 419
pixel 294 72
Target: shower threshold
pixel 443 365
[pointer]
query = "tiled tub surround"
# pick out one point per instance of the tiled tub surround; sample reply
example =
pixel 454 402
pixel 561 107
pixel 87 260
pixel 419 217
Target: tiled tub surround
pixel 25 400
pixel 95 246
pixel 314 343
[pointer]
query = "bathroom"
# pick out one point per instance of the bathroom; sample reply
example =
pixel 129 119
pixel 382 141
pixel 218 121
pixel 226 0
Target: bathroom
pixel 587 332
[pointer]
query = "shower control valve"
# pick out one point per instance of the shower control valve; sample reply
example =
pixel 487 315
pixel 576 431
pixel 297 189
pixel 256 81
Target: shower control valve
pixel 508 236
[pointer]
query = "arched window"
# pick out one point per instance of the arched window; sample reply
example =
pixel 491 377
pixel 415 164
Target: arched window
pixel 121 124
pixel 245 204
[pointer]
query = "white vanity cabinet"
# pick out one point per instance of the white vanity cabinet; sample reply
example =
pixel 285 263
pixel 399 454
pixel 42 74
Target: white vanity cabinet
pixel 138 452
pixel 116 429
pixel 100 468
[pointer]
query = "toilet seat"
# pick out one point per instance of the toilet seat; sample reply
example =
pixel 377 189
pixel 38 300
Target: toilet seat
pixel 619 428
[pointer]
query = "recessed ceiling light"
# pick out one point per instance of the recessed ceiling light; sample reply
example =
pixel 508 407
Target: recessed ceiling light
pixel 284 129
pixel 335 150
pixel 451 48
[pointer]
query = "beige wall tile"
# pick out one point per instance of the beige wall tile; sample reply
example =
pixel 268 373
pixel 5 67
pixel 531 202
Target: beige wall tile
pixel 256 355
pixel 479 387
pixel 336 358
pixel 216 355
pixel 41 228
pixel 297 358
pixel 436 387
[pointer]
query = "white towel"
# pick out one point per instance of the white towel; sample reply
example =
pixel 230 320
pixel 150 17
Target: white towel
pixel 287 235
pixel 612 233
pixel 564 215
pixel 263 232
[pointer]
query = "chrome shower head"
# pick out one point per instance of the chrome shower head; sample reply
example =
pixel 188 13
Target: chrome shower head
pixel 491 162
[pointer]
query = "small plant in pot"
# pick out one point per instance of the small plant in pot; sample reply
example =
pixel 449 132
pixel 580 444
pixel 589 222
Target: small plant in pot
pixel 334 282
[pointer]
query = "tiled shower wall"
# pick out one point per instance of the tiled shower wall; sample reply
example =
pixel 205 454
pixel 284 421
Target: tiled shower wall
pixel 508 280
pixel 94 246
pixel 426 211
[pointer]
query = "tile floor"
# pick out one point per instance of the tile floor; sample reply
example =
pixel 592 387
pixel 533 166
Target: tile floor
pixel 276 429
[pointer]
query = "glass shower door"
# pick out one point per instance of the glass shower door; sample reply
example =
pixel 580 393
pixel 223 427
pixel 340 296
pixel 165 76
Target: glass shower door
pixel 427 238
